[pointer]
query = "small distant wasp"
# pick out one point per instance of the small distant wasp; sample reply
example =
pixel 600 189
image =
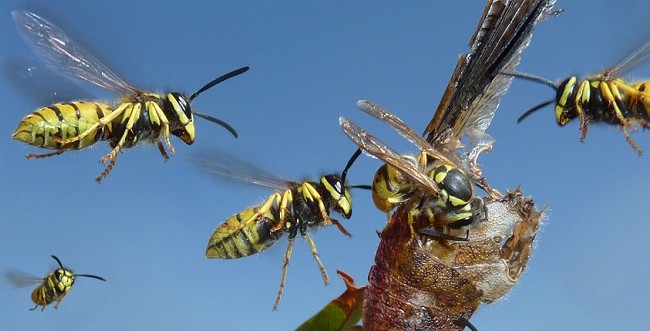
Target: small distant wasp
pixel 441 191
pixel 295 207
pixel 138 115
pixel 55 286
pixel 602 98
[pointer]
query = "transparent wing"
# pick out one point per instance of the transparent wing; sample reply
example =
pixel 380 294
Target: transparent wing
pixel 239 170
pixel 63 55
pixel 374 147
pixel 636 58
pixel 18 278
pixel 401 128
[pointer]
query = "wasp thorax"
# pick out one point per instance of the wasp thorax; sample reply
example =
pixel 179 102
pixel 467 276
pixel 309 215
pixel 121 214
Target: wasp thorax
pixel 454 184
pixel 340 194
pixel 179 114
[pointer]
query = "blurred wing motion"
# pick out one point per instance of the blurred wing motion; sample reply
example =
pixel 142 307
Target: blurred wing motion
pixel 239 170
pixel 18 278
pixel 64 56
pixel 474 90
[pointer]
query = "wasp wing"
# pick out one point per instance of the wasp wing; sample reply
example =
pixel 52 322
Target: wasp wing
pixel 401 128
pixel 63 55
pixel 474 90
pixel 636 58
pixel 375 148
pixel 240 171
pixel 18 278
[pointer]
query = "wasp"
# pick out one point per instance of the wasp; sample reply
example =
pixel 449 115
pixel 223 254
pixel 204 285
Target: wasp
pixel 601 98
pixel 441 190
pixel 136 116
pixel 295 207
pixel 431 281
pixel 54 287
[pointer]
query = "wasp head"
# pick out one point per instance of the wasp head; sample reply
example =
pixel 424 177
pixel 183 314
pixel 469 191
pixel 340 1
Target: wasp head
pixel 565 99
pixel 341 201
pixel 64 279
pixel 181 120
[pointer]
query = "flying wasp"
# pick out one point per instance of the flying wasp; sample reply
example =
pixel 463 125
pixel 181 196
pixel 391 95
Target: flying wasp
pixel 602 98
pixel 54 287
pixel 441 190
pixel 295 207
pixel 137 116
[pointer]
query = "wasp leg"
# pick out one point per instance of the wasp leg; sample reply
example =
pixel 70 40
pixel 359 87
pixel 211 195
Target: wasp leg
pixel 642 123
pixel 612 94
pixel 413 212
pixel 285 266
pixel 310 194
pixel 107 170
pixel 283 204
pixel 133 111
pixel 161 148
pixel 441 235
pixel 582 96
pixel 40 156
pixel 164 122
pixel 631 141
pixel 314 252
pixel 100 124
pixel 261 210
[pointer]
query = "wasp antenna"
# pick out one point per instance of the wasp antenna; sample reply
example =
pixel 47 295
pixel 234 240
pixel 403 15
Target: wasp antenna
pixel 532 77
pixel 462 321
pixel 219 80
pixel 217 121
pixel 91 276
pixel 353 158
pixel 534 109
pixel 365 187
pixel 440 235
pixel 57 261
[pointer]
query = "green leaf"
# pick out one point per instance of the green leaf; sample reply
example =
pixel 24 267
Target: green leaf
pixel 342 313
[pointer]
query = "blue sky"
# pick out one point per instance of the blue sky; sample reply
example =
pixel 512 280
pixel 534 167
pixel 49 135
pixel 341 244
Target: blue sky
pixel 146 226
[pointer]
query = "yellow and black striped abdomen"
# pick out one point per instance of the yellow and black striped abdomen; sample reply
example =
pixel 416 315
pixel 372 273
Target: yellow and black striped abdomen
pixel 230 242
pixel 63 121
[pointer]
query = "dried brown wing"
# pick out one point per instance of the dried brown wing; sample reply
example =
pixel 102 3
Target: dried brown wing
pixel 473 92
pixel 376 148
pixel 401 128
